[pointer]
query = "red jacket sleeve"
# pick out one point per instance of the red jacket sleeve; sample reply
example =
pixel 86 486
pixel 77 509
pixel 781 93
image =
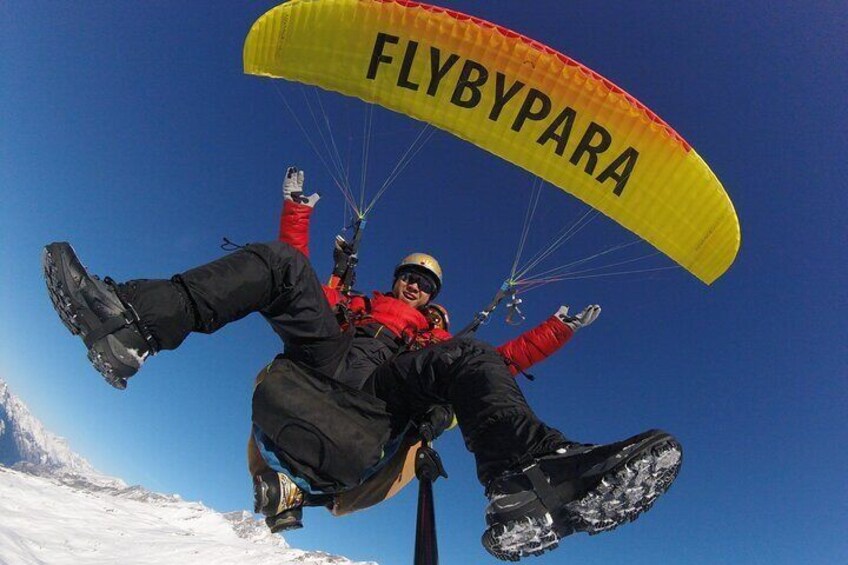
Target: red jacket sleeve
pixel 294 225
pixel 535 345
pixel 333 296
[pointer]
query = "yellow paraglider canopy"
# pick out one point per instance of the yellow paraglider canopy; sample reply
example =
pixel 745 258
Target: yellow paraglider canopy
pixel 513 97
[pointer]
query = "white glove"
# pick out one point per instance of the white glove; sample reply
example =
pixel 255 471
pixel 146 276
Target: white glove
pixel 293 188
pixel 581 320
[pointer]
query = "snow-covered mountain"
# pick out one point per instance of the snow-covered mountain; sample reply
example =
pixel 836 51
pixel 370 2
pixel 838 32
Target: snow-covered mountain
pixel 24 440
pixel 55 508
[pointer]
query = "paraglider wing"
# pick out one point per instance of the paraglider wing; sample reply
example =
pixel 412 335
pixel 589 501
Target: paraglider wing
pixel 517 99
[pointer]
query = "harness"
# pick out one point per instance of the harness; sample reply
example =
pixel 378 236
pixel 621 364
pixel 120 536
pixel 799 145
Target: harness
pixel 376 323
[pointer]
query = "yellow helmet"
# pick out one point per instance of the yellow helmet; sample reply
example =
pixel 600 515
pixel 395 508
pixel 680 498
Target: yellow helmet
pixel 424 263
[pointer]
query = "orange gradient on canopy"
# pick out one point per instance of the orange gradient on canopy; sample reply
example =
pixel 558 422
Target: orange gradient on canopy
pixel 516 98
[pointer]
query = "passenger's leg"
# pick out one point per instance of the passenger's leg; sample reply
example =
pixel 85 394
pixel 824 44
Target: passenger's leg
pixel 541 486
pixel 271 278
pixel 122 324
pixel 497 424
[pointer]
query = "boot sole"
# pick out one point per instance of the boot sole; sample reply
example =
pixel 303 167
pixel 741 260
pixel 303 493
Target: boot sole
pixel 56 289
pixel 285 521
pixel 532 535
pixel 623 493
pixel 68 308
pixel 628 491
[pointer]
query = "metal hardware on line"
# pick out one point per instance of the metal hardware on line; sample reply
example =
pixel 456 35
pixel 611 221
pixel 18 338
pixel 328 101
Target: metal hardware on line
pixel 514 316
pixel 507 289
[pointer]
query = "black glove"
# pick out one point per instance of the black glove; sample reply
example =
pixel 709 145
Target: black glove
pixel 344 259
pixel 435 422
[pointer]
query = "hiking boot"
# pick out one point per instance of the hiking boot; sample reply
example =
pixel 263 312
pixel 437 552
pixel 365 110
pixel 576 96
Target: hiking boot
pixel 578 488
pixel 91 309
pixel 277 497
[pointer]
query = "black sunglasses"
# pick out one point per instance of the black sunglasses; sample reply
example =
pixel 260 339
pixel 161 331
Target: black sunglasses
pixel 423 282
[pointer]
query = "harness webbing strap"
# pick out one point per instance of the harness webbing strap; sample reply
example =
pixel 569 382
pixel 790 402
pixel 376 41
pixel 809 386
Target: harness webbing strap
pixel 110 325
pixel 550 497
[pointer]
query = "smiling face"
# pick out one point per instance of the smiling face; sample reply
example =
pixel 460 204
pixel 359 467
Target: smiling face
pixel 409 292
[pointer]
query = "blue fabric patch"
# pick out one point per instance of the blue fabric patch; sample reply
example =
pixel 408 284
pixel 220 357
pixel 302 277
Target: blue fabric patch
pixel 266 449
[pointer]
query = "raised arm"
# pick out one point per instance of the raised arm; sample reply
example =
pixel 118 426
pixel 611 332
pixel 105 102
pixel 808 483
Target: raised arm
pixel 547 338
pixel 297 210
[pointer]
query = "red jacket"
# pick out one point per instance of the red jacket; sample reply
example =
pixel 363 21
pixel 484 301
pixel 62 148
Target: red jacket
pixel 397 316
pixel 404 321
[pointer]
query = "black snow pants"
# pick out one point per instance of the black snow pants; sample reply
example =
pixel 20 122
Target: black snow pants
pixel 497 424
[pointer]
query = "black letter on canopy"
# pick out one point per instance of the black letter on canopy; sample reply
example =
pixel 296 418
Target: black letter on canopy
pixel 592 149
pixel 377 56
pixel 503 95
pixel 527 113
pixel 406 67
pixel 438 71
pixel 559 130
pixel 470 85
pixel 627 159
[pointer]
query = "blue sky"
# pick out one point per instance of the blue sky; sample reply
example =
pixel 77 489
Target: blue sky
pixel 130 131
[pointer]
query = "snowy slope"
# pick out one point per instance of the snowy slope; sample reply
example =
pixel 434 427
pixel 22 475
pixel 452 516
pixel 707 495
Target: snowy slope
pixel 56 509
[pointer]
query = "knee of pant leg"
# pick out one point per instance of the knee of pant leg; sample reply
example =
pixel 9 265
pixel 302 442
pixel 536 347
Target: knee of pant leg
pixel 472 343
pixel 287 264
pixel 461 358
pixel 274 251
pixel 475 351
pixel 480 377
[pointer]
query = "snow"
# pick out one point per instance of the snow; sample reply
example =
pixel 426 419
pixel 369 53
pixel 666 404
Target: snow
pixel 56 509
